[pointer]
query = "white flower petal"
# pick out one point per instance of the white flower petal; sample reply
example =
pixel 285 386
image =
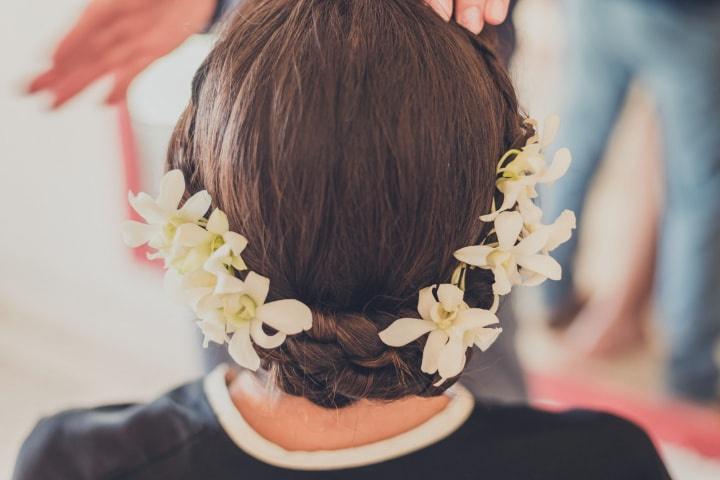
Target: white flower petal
pixel 473 318
pixel 196 206
pixel 191 235
pixel 531 213
pixel 502 285
pixel 405 330
pixel 475 255
pixel 535 163
pixel 287 316
pixel 434 344
pixel 530 191
pixel 532 279
pixel 426 302
pixel 208 305
pixel 232 304
pixel 264 340
pixel 193 296
pixel 485 337
pixel 238 264
pixel 561 230
pixel 147 208
pixel 188 259
pixel 558 168
pixel 542 264
pixel 452 358
pixel 213 331
pixel 218 222
pixel 450 296
pixel 257 287
pixel 491 216
pixel 228 284
pixel 508 226
pixel 216 262
pixel 236 242
pixel 511 269
pixel 241 349
pixel 533 243
pixel 135 233
pixel 199 279
pixel 511 189
pixel 172 189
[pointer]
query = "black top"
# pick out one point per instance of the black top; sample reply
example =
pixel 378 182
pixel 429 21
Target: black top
pixel 179 437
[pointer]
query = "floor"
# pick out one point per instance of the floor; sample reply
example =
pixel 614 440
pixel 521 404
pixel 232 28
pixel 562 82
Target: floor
pixel 83 323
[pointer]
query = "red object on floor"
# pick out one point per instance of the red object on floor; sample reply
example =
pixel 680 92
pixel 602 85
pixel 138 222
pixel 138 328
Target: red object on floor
pixel 131 166
pixel 667 421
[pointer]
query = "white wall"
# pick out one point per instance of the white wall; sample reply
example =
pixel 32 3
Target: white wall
pixel 80 322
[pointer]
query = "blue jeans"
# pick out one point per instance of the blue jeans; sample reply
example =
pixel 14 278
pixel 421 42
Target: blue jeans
pixel 675 51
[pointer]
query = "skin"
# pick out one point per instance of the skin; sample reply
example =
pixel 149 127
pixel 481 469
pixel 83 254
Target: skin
pixel 122 37
pixel 295 423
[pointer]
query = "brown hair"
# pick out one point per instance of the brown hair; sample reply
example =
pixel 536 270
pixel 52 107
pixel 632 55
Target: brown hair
pixel 354 142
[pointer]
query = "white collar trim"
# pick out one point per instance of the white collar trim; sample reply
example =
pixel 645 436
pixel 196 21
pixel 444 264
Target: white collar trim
pixel 431 431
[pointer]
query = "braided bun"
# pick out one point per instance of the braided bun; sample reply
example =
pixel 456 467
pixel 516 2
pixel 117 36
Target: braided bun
pixel 342 360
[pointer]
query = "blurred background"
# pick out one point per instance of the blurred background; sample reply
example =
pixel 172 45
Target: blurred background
pixel 84 320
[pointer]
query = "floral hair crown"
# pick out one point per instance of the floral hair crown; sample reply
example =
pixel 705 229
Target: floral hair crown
pixel 516 250
pixel 203 259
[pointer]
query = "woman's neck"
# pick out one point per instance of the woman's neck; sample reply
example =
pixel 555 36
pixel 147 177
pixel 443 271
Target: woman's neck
pixel 295 423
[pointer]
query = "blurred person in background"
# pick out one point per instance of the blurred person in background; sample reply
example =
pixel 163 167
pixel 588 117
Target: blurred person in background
pixel 673 48
pixel 121 38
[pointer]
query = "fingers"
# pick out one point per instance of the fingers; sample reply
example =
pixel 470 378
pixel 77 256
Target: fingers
pixel 496 11
pixel 444 8
pixel 98 48
pixel 472 14
pixel 76 81
pixel 96 18
pixel 109 49
pixel 42 81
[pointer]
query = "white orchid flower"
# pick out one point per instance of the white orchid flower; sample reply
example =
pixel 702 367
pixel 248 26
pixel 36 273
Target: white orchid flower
pixel 505 257
pixel 236 307
pixel 452 326
pixel 550 129
pixel 213 247
pixel 189 288
pixel 528 168
pixel 560 231
pixel 202 258
pixel 531 213
pixel 521 176
pixel 228 254
pixel 162 215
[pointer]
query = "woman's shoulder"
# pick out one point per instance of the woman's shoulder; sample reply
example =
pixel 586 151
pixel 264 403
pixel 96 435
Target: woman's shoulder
pixel 178 434
pixel 111 440
pixel 588 443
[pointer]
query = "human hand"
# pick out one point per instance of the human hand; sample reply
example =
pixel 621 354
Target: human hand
pixel 121 38
pixel 472 14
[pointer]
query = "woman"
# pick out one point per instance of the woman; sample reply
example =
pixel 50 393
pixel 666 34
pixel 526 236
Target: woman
pixel 355 144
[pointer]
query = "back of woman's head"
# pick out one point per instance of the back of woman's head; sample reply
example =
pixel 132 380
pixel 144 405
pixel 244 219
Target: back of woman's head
pixel 354 143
